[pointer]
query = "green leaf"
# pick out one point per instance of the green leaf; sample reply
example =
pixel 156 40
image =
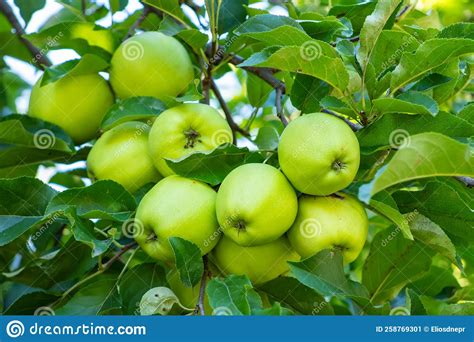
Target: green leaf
pixel 414 303
pixel 104 199
pixel 29 7
pixel 194 38
pixel 23 202
pixel 420 156
pixel 407 103
pixel 297 297
pixel 389 49
pixel 372 29
pixel 385 205
pixel 458 30
pixel 88 64
pixel 231 13
pixel 96 298
pixel 430 81
pixel 230 296
pixel 432 235
pixel 34 302
pixel 170 7
pixel 257 90
pixel 66 33
pixel 267 137
pixel 83 231
pixel 323 28
pixel 436 280
pixel 308 59
pixel 71 261
pixel 25 131
pixel 445 201
pixel 133 108
pixel 212 167
pixel 136 282
pixel 392 263
pixel 11 87
pixel 428 56
pixel 188 261
pixel 377 135
pixel 356 13
pixel 266 23
pixel 307 92
pixel 436 307
pixel 324 273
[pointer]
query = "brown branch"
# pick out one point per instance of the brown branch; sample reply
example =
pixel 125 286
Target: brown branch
pixel 118 255
pixel 265 74
pixel 138 22
pixel 279 108
pixel 39 59
pixel 228 114
pixel 83 7
pixel 202 289
pixel 355 127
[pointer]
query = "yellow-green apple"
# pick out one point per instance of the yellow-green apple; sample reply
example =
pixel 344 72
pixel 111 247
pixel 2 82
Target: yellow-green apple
pixel 77 104
pixel 121 154
pixel 319 154
pixel 176 207
pixel 336 221
pixel 150 64
pixel 184 129
pixel 255 204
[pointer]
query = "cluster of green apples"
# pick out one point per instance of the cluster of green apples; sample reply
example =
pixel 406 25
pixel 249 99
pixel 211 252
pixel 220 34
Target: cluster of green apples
pixel 260 217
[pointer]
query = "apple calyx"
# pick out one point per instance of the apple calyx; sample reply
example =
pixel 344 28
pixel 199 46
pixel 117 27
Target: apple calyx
pixel 338 165
pixel 192 136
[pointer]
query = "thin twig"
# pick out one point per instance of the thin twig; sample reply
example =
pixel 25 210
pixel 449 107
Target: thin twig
pixel 39 59
pixel 279 108
pixel 355 127
pixel 202 288
pixel 138 22
pixel 83 7
pixel 228 114
pixel 265 74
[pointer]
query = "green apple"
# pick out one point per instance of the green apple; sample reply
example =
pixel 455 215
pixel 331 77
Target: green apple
pixel 77 104
pixel 150 64
pixel 319 154
pixel 259 263
pixel 176 207
pixel 122 155
pixel 337 221
pixel 255 204
pixel 94 35
pixel 184 129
